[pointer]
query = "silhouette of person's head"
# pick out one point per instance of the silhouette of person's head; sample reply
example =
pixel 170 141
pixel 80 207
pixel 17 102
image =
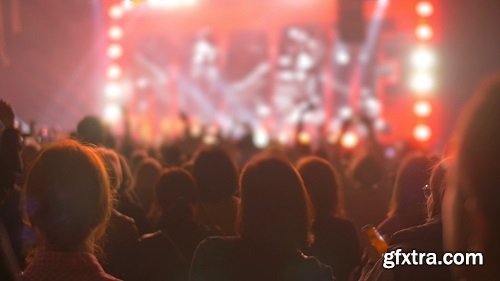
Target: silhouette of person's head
pixel 67 197
pixel 471 211
pixel 145 179
pixel 127 177
pixel 175 194
pixel 322 183
pixel 215 174
pixel 171 155
pixel 408 198
pixel 367 171
pixel 135 160
pixel 275 208
pixel 90 130
pixel 112 162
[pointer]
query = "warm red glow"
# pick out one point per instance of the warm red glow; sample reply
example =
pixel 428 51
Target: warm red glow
pixel 422 109
pixel 422 82
pixel 425 9
pixel 112 113
pixel 113 90
pixel 304 138
pixel 115 33
pixel 115 12
pixel 114 71
pixel 424 32
pixel 422 133
pixel 349 140
pixel 115 51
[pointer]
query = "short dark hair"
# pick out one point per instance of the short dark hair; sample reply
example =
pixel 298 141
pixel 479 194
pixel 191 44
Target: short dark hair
pixel 90 130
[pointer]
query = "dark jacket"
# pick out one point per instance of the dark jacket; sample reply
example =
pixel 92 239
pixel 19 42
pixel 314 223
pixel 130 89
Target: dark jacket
pixel 234 259
pixel 336 244
pixel 424 238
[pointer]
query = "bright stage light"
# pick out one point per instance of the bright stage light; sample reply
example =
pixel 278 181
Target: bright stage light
pixel 114 71
pixel 304 138
pixel 260 138
pixel 115 51
pixel 371 107
pixel 190 2
pixel 422 133
pixel 342 57
pixel 345 112
pixel 422 83
pixel 423 59
pixel 349 140
pixel 115 33
pixel 112 113
pixel 113 90
pixel 425 9
pixel 115 12
pixel 424 32
pixel 128 5
pixel 422 109
pixel 172 3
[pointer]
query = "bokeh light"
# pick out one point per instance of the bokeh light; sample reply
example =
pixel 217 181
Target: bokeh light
pixel 422 109
pixel 349 140
pixel 424 32
pixel 422 133
pixel 425 9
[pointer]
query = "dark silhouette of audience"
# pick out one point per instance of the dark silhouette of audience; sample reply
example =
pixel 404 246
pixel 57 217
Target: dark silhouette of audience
pixel 127 201
pixel 471 212
pixel 68 202
pixel 425 238
pixel 98 207
pixel 274 223
pixel 216 179
pixel 167 253
pixel 146 176
pixel 120 243
pixel 335 238
pixel 408 201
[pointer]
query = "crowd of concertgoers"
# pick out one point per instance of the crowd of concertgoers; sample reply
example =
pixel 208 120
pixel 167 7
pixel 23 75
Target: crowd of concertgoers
pixel 90 207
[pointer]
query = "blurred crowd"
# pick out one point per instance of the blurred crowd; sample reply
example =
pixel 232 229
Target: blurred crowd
pixel 92 206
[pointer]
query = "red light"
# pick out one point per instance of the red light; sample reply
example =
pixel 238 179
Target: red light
pixel 115 33
pixel 115 51
pixel 424 32
pixel 422 109
pixel 425 9
pixel 422 133
pixel 114 71
pixel 115 12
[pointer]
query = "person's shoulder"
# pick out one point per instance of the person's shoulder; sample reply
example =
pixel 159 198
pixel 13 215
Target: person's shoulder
pixel 218 245
pixel 336 225
pixel 220 241
pixel 150 237
pixel 107 277
pixel 428 234
pixel 343 222
pixel 312 267
pixel 122 219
